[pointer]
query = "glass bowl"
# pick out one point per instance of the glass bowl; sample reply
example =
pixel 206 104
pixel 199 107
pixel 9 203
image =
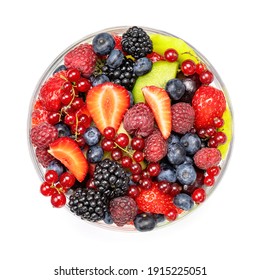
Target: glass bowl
pixel 217 83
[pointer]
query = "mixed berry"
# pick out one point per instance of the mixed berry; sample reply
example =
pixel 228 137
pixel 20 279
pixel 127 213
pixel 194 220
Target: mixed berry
pixel 130 130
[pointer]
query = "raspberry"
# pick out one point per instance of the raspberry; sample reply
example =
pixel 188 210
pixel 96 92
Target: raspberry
pixel 82 58
pixel 51 92
pixel 139 120
pixel 43 156
pixel 39 114
pixel 123 210
pixel 208 103
pixel 207 157
pixel 183 116
pixel 43 134
pixel 155 147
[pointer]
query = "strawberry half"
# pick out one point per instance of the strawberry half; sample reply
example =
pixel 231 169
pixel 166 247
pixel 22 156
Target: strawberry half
pixel 68 153
pixel 107 103
pixel 159 102
pixel 154 201
pixel 208 103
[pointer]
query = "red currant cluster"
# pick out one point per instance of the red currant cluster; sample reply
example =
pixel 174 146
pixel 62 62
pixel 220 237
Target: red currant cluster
pixel 73 111
pixel 56 186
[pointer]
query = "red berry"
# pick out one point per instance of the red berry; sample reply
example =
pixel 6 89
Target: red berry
pixel 77 103
pixel 116 154
pixel 146 183
pixel 90 184
pixel 175 189
pixel 122 140
pixel 107 145
pixel 109 133
pixel 202 133
pixel 210 131
pixel 66 98
pixel 200 67
pixel 171 55
pixel 209 180
pixel 171 215
pixel 220 137
pixel 213 171
pixel 136 168
pixel 46 189
pixel 218 122
pixel 138 156
pixel 73 75
pixel 85 120
pixel 212 143
pixel 67 180
pixel 51 176
pixel 153 169
pixel 70 119
pixel 126 161
pixel 137 143
pixel 53 118
pixel 199 195
pixel 164 187
pixel 81 141
pixel 136 178
pixel 67 87
pixel 188 67
pixel 83 85
pixel 145 174
pixel 206 77
pixel 58 200
pixel 133 191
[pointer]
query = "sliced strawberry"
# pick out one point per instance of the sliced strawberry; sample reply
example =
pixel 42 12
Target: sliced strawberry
pixel 154 201
pixel 68 152
pixel 118 40
pixel 107 103
pixel 159 102
pixel 153 56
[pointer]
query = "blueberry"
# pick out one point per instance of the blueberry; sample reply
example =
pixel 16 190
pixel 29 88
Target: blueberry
pixel 183 201
pixel 190 86
pixel 108 219
pixel 144 222
pixel 176 154
pixel 56 166
pixel 63 130
pixel 142 66
pixel 167 173
pixel 131 98
pixel 60 68
pixel 115 58
pixel 92 136
pixel 173 139
pixel 175 88
pixel 159 218
pixel 188 160
pixel 95 154
pixel 186 174
pixel 191 143
pixel 103 43
pixel 100 79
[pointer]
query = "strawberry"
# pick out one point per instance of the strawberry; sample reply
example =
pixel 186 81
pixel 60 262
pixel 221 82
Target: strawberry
pixel 154 201
pixel 159 102
pixel 68 153
pixel 82 58
pixel 208 103
pixel 118 40
pixel 51 92
pixel 107 103
pixel 153 56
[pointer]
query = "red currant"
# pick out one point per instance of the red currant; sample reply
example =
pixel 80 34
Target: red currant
pixel 213 171
pixel 53 118
pixel 171 55
pixel 116 154
pixel 136 178
pixel 70 119
pixel 137 143
pixel 175 189
pixel 145 174
pixel 58 200
pixel 126 161
pixel 220 137
pixel 73 75
pixel 138 156
pixel 83 85
pixel 199 195
pixel 164 187
pixel 81 129
pixel 90 184
pixel 209 180
pixel 122 140
pixel 136 168
pixel 51 176
pixel 146 183
pixel 107 145
pixel 84 119
pixel 153 169
pixel 171 215
pixel 202 133
pixel 212 143
pixel 206 77
pixel 109 133
pixel 66 98
pixel 218 122
pixel 81 141
pixel 67 87
pixel 46 189
pixel 77 103
pixel 188 67
pixel 200 67
pixel 67 180
pixel 210 131
pixel 133 191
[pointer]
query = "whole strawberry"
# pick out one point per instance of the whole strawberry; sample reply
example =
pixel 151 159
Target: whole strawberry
pixel 155 147
pixel 208 103
pixel 51 92
pixel 82 58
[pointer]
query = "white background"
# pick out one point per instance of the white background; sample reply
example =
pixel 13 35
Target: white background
pixel 222 235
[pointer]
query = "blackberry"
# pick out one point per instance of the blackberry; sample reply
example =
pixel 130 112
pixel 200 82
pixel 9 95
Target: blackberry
pixel 111 179
pixel 136 42
pixel 89 204
pixel 122 75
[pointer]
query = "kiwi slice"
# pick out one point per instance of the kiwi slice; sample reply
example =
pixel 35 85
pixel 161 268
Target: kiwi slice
pixel 161 73
pixel 162 42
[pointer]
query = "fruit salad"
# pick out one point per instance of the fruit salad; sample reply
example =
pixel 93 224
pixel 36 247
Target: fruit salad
pixel 130 128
